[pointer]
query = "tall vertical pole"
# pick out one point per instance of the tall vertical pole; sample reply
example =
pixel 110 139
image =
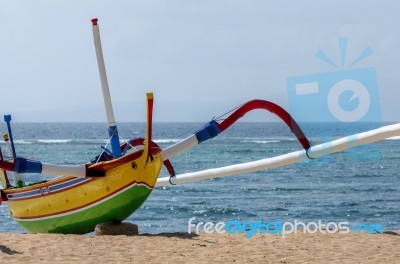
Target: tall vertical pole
pixel 7 119
pixel 19 180
pixel 112 126
pixel 3 175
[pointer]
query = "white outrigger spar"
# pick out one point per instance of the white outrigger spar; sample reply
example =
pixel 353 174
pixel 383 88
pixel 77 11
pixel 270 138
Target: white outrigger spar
pixel 317 151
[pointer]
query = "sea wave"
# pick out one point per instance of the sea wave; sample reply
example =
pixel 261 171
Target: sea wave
pixel 82 141
pixel 21 142
pixel 54 141
pixel 260 141
pixel 167 140
pixel 72 141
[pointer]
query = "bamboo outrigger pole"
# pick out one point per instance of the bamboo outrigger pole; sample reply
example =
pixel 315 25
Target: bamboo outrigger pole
pixel 317 151
pixel 112 126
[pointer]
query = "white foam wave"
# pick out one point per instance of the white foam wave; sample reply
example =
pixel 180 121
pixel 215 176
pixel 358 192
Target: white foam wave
pixel 260 141
pixel 54 141
pixel 21 142
pixel 167 140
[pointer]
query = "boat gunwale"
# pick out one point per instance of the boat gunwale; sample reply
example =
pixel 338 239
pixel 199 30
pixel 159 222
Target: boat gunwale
pixel 64 178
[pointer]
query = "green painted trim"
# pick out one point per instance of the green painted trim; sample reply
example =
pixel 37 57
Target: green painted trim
pixel 116 209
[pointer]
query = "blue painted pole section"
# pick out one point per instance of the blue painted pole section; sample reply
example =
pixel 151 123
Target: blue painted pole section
pixel 7 119
pixel 115 146
pixel 209 131
pixel 22 165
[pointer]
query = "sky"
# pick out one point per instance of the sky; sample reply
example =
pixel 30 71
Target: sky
pixel 199 58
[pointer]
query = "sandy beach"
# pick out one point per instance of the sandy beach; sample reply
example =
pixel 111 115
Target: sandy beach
pixel 202 248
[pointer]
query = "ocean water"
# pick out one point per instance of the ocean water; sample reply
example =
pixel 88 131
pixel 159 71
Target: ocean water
pixel 357 186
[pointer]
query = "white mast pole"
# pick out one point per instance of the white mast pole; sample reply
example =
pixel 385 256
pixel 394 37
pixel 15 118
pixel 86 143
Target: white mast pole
pixel 113 132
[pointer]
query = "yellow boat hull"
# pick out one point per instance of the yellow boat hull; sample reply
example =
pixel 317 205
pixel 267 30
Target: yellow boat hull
pixel 76 205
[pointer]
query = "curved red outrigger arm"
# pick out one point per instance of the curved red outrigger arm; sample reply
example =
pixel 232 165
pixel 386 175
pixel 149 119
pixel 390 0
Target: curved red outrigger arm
pixel 273 108
pixel 213 128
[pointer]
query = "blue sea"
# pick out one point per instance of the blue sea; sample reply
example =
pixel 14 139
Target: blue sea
pixel 357 186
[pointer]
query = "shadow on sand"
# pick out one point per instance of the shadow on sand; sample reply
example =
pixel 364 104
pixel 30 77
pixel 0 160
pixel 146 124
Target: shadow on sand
pixel 181 235
pixel 8 250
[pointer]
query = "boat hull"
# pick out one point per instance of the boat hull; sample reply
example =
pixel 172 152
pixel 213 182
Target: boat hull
pixel 76 205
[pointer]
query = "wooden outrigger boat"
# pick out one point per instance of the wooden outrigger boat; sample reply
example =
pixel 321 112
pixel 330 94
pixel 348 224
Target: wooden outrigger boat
pixel 118 181
pixel 109 190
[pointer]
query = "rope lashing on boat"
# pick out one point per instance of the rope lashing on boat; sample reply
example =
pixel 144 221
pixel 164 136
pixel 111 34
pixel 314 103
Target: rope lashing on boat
pixel 154 151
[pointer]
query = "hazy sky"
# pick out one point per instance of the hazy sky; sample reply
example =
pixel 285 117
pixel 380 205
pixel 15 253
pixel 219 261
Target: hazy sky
pixel 200 58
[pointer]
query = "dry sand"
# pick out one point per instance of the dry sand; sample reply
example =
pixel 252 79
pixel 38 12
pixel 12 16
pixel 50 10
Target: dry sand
pixel 203 248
